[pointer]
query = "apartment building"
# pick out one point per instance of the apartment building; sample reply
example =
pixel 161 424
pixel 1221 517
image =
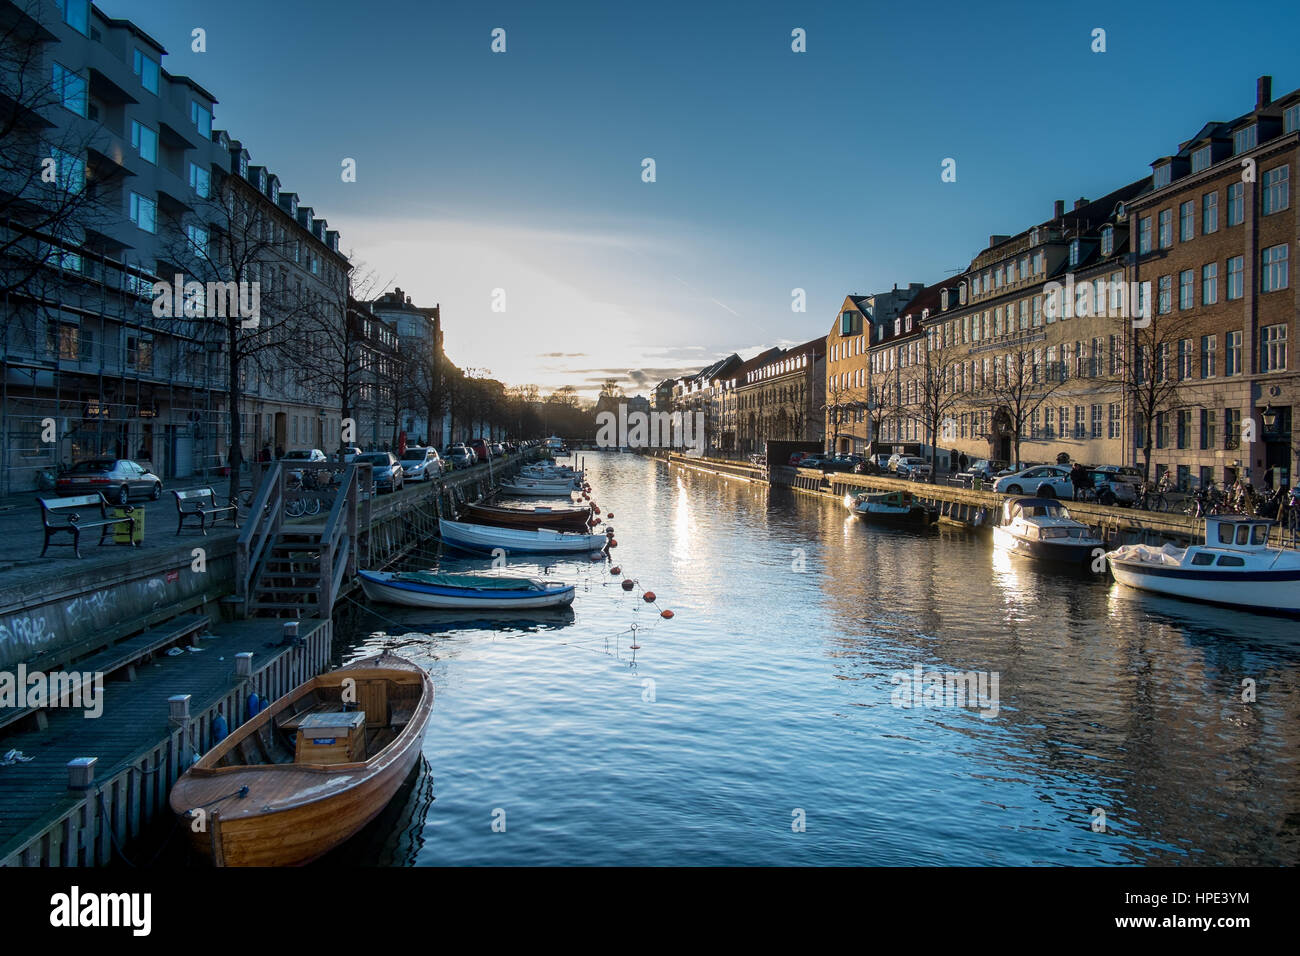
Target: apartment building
pixel 423 415
pixel 781 395
pixel 100 337
pixel 1214 239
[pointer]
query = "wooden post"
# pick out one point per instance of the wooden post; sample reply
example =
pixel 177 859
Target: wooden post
pixel 81 773
pixel 244 665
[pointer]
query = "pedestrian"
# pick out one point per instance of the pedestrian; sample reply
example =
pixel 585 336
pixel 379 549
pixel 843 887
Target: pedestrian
pixel 963 461
pixel 279 452
pixel 265 454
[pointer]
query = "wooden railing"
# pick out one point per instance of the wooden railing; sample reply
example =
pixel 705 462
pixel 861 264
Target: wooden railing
pixel 339 540
pixel 265 518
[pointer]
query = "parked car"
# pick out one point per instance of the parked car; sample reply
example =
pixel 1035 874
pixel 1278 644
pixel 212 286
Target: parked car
pixel 385 469
pixel 481 449
pixel 458 456
pixel 498 449
pixel 1045 481
pixel 1122 473
pixel 816 460
pixel 421 464
pixel 986 469
pixel 304 454
pixel 843 462
pixel 892 463
pixel 117 479
pixel 881 460
pixel 913 468
pixel 797 457
pixel 350 453
pixel 866 466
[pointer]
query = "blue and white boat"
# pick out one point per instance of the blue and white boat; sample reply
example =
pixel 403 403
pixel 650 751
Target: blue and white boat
pixel 479 537
pixel 1234 567
pixel 431 589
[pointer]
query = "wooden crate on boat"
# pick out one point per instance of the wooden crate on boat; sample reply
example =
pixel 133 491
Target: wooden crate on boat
pixel 332 737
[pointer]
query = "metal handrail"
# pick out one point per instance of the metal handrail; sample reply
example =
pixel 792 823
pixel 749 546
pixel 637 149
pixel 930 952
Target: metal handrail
pixel 265 517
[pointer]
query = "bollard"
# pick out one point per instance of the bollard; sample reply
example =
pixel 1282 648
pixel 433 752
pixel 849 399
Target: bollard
pixel 81 772
pixel 290 632
pixel 244 664
pixel 178 709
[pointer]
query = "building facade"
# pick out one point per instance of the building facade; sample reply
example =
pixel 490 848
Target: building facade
pixel 780 397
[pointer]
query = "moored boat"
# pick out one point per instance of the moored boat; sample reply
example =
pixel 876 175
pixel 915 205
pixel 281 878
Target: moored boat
pixel 521 488
pixel 895 507
pixel 1235 567
pixel 310 770
pixel 539 516
pixel 1041 528
pixel 487 537
pixel 434 590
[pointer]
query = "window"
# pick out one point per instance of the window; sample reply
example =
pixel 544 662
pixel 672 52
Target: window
pixel 1166 228
pixel 1202 158
pixel 1186 223
pixel 1186 288
pixel 200 181
pixel 1231 428
pixel 1207 429
pixel 76 14
pixel 70 88
pixel 1144 234
pixel 1184 358
pixel 1244 139
pixel 144 212
pixel 1164 296
pixel 1274 274
pixel 145 141
pixel 1063 418
pixel 201 117
pixel 146 67
pixel 1184 432
pixel 1113 420
pixel 1080 422
pixel 1209 353
pixel 1074 252
pixel 1210 283
pixel 1209 213
pixel 1276 182
pixel 70 171
pixel 1107 240
pixel 1236 277
pixel 1236 203
pixel 139 351
pixel 1096 421
pixel 198 237
pixel 1232 354
pixel 1162 429
pixel 1161 176
pixel 1291 119
pixel 1272 348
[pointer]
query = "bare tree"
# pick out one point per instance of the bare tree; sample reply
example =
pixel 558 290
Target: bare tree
pixel 1151 370
pixel 938 385
pixel 1021 381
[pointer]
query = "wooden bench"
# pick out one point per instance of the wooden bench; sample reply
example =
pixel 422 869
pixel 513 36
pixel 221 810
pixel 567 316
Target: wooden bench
pixel 64 515
pixel 115 657
pixel 201 503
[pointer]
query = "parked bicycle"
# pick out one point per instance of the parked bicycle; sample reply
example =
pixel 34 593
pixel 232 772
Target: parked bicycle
pixel 1155 497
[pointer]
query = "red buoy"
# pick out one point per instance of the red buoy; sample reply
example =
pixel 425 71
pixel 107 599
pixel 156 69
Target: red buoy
pixel 610 515
pixel 612 543
pixel 649 597
pixel 627 584
pixel 616 570
pixel 666 614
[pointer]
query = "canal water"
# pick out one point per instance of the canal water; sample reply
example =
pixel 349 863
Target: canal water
pixel 760 725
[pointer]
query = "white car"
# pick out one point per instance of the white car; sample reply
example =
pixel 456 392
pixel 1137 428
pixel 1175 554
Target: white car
pixel 421 464
pixel 1043 481
pixel 913 468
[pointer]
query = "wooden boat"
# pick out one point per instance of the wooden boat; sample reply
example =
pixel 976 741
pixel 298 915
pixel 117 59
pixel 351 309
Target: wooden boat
pixel 526 489
pixel 479 537
pixel 432 590
pixel 1235 567
pixel 311 770
pixel 540 516
pixel 894 507
pixel 1042 528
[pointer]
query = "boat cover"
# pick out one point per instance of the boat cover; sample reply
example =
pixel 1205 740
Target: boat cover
pixel 479 582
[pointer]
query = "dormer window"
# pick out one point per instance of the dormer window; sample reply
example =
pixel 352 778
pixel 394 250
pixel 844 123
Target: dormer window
pixel 909 323
pixel 275 191
pixel 1291 119
pixel 1033 236
pixel 943 299
pixel 961 293
pixel 1107 240
pixel 1074 252
pixel 846 323
pixel 1245 139
pixel 261 180
pixel 243 165
pixel 1161 176
pixel 1202 158
pixel 898 325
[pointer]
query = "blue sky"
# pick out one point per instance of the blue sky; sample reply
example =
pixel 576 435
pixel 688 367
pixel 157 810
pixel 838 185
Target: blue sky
pixel 820 170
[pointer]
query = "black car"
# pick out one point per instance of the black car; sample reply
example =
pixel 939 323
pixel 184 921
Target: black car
pixel 385 468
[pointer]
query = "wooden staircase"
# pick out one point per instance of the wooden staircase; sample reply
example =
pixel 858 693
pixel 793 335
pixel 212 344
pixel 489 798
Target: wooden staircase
pixel 287 581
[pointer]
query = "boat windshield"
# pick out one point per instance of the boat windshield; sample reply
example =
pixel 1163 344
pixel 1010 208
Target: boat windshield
pixel 1047 509
pixel 1062 532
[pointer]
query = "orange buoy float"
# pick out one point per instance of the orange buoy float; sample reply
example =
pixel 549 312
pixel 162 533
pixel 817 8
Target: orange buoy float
pixel 649 597
pixel 627 584
pixel 666 614
pixel 612 543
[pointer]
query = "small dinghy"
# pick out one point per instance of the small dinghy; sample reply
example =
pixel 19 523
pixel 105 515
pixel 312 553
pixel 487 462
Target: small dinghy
pixel 523 488
pixel 890 507
pixel 309 771
pixel 433 590
pixel 1235 567
pixel 1041 528
pixel 480 537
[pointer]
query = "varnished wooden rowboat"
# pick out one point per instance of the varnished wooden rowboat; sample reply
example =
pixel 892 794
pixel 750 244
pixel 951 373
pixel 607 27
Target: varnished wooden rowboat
pixel 318 765
pixel 557 519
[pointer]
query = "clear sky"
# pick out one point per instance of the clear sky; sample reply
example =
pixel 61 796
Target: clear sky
pixel 775 170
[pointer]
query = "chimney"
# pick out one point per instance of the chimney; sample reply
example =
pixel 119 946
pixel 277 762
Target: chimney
pixel 1080 203
pixel 1058 209
pixel 1263 92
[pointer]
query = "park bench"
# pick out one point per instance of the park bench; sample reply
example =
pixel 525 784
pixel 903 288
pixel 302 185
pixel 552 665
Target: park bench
pixel 64 515
pixel 201 503
pixel 108 659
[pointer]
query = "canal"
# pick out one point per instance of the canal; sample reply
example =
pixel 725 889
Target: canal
pixel 759 725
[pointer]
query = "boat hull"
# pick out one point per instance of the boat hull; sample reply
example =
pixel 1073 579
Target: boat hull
pixel 574 519
pixel 1274 591
pixel 486 538
pixel 538 491
pixel 1076 554
pixel 295 813
pixel 378 588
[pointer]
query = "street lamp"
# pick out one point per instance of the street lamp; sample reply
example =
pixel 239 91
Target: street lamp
pixel 1268 417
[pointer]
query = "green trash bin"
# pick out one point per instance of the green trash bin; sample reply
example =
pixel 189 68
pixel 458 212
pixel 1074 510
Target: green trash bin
pixel 126 532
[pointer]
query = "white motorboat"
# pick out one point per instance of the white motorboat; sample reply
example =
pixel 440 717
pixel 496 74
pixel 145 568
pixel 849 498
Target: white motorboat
pixel 481 537
pixel 433 590
pixel 534 489
pixel 1235 567
pixel 893 507
pixel 1041 528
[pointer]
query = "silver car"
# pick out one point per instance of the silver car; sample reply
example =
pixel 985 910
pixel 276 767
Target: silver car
pixel 117 479
pixel 421 464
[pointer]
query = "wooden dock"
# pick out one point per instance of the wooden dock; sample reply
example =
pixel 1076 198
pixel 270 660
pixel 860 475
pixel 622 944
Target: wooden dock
pixel 140 750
